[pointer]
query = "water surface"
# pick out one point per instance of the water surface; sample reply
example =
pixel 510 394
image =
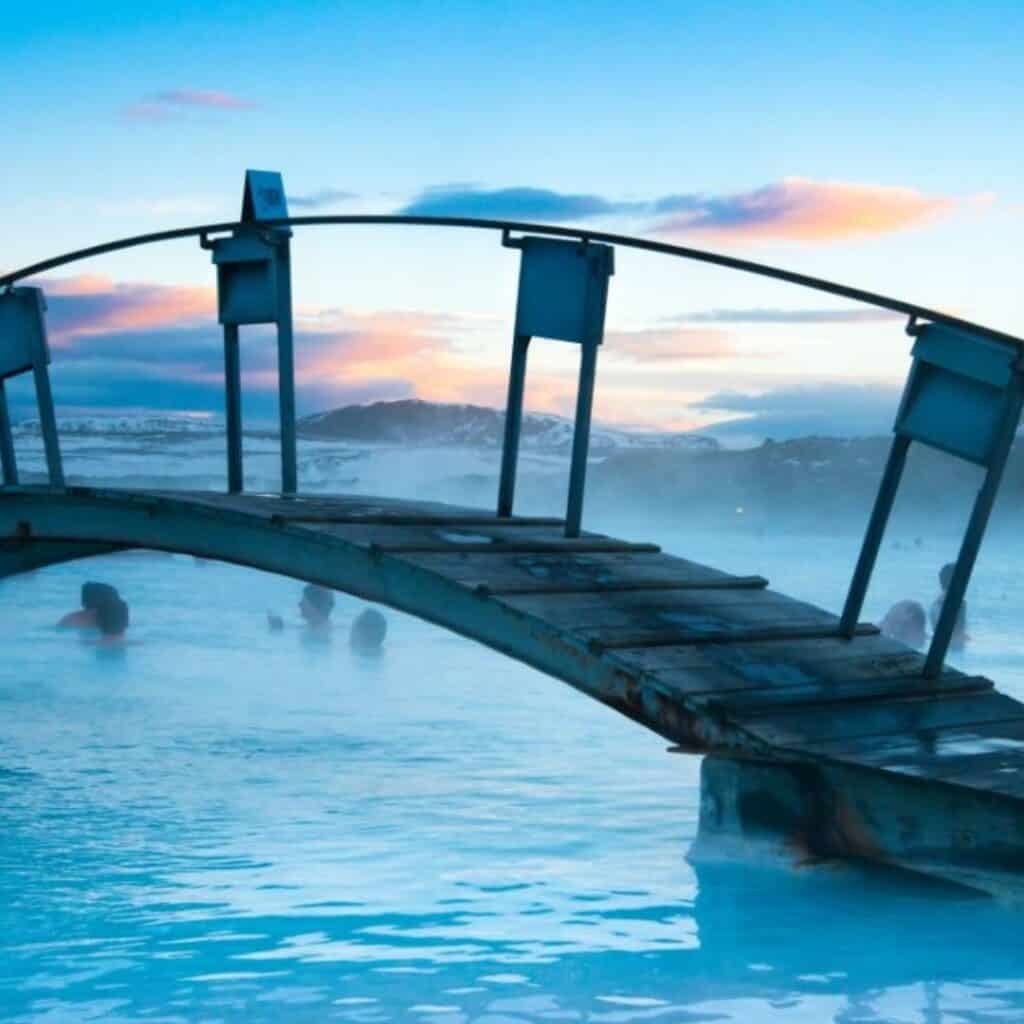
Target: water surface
pixel 223 824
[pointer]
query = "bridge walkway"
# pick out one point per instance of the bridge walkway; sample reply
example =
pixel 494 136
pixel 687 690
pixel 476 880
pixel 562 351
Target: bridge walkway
pixel 714 662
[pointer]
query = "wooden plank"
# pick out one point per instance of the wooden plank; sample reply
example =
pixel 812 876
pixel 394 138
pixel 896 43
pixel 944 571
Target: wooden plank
pixel 573 544
pixel 405 519
pixel 498 536
pixel 806 659
pixel 999 771
pixel 611 639
pixel 956 740
pixel 655 604
pixel 602 589
pixel 329 509
pixel 797 728
pixel 746 583
pixel 494 570
pixel 785 668
pixel 748 704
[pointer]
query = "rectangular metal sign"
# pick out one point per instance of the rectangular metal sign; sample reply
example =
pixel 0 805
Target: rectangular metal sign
pixel 246 280
pixel 563 288
pixel 22 331
pixel 955 394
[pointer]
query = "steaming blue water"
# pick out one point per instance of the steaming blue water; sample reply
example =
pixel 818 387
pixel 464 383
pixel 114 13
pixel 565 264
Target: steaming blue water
pixel 221 824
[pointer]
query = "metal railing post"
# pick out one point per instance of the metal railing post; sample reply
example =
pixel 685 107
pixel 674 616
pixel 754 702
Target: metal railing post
pixel 286 370
pixel 513 424
pixel 48 425
pixel 233 407
pixel 581 439
pixel 8 459
pixel 873 536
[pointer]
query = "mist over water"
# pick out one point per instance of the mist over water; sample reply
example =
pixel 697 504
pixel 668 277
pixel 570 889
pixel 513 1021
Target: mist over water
pixel 219 823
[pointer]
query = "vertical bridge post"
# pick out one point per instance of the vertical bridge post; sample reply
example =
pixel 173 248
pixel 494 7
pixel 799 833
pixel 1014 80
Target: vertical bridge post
pixel 964 397
pixel 254 287
pixel 563 292
pixel 23 347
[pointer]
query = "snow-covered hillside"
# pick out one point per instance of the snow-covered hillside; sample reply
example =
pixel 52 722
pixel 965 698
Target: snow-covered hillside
pixel 417 422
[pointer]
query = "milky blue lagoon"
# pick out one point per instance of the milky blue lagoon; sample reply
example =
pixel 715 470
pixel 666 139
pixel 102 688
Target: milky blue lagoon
pixel 224 824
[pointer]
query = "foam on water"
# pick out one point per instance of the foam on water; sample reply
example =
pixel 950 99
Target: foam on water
pixel 220 823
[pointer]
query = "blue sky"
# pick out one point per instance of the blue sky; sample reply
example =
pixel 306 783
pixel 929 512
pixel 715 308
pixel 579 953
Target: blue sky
pixel 875 144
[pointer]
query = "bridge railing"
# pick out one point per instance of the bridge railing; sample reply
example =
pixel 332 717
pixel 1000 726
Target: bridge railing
pixel 963 396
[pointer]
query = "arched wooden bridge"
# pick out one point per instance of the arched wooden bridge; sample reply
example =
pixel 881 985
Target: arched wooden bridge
pixel 822 735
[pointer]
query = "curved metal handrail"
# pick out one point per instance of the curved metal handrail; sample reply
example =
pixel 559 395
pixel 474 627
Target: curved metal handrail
pixel 628 241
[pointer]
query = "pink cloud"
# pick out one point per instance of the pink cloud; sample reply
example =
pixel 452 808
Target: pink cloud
pixel 91 304
pixel 798 209
pixel 669 344
pixel 170 104
pixel 212 98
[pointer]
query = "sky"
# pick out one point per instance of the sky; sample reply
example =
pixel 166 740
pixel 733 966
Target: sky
pixel 874 144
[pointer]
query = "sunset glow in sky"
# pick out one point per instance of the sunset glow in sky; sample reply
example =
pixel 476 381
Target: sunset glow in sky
pixel 877 145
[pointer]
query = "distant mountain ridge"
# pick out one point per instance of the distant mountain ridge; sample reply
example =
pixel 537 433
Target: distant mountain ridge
pixel 413 421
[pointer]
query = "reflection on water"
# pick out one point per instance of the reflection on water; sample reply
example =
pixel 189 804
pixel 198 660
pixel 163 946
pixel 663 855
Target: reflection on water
pixel 228 824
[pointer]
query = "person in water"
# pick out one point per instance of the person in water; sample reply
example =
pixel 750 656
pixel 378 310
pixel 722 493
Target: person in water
pixel 959 637
pixel 94 597
pixel 112 618
pixel 905 621
pixel 368 631
pixel 316 605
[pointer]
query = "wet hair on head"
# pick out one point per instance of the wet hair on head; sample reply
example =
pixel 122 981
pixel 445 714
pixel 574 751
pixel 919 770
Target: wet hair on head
pixel 95 595
pixel 112 617
pixel 319 597
pixel 368 630
pixel 946 574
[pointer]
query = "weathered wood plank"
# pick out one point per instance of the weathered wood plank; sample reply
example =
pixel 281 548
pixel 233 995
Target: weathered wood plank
pixel 656 605
pixel 495 570
pixel 747 704
pixel 798 728
pixel 887 751
pixel 344 509
pixel 808 659
pixel 558 589
pixel 570 545
pixel 611 639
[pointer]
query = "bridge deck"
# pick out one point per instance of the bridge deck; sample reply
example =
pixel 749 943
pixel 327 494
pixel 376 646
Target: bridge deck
pixel 906 768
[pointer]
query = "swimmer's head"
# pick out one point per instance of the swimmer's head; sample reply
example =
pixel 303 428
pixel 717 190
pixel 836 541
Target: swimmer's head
pixel 946 574
pixel 368 630
pixel 112 617
pixel 316 604
pixel 905 621
pixel 95 595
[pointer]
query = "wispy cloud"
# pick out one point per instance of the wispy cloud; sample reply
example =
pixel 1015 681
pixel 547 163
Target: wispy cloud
pixel 90 305
pixel 318 200
pixel 788 316
pixel 171 103
pixel 794 209
pixel 797 209
pixel 136 343
pixel 670 344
